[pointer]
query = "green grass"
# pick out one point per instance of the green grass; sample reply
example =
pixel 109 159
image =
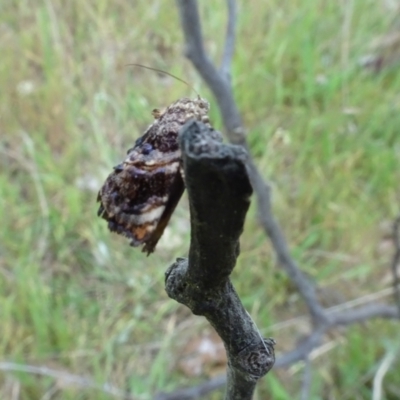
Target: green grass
pixel 324 131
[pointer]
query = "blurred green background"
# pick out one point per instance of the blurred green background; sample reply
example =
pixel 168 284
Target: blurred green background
pixel 324 129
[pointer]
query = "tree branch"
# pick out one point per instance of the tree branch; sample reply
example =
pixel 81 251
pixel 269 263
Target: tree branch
pixel 230 38
pixel 218 83
pixel 219 196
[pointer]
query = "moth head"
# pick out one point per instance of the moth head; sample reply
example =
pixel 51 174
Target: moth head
pixel 200 108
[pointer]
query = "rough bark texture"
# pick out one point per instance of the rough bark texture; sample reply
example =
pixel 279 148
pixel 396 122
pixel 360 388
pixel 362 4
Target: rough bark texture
pixel 219 195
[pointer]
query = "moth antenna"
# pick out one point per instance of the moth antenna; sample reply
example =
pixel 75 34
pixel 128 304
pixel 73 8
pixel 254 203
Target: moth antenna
pixel 164 72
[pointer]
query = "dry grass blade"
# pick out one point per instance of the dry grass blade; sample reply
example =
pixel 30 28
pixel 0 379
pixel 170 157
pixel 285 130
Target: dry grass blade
pixel 65 378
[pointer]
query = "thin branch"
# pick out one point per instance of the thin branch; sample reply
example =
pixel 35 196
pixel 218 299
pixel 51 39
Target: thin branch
pixel 307 380
pixel 66 378
pixel 302 350
pixel 222 91
pixel 190 21
pixel 230 39
pixel 364 313
pixel 220 86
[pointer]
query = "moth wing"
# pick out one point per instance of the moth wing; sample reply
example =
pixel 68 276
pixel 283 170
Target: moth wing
pixel 175 194
pixel 137 200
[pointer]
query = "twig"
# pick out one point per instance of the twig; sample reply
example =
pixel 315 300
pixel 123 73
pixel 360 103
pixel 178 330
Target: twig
pixel 230 38
pixel 306 381
pixel 302 350
pixel 66 378
pixel 336 309
pixel 364 313
pixel 219 196
pixel 221 88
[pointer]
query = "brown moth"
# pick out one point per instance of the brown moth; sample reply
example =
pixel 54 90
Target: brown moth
pixel 139 196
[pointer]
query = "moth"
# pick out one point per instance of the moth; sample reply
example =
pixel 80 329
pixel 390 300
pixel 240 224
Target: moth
pixel 139 196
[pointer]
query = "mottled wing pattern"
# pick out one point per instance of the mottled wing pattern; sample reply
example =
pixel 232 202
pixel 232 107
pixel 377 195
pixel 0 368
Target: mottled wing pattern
pixel 139 196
